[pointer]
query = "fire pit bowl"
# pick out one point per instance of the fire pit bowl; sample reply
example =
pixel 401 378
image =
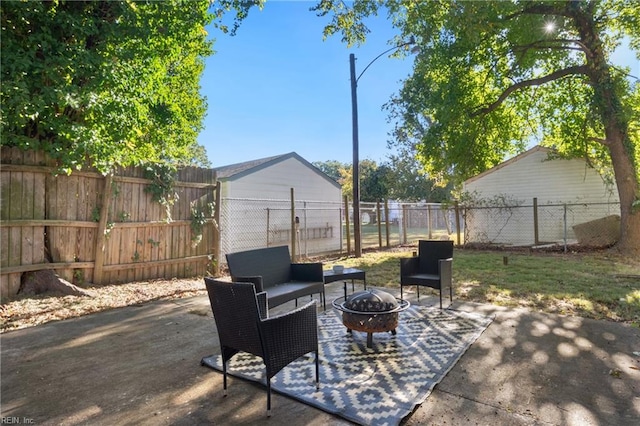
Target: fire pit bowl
pixel 370 311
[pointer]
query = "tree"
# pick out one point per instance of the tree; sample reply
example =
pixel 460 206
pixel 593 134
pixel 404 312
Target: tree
pixel 375 184
pixel 197 157
pixel 331 168
pixel 492 76
pixel 106 83
pixel 372 181
pixel 409 182
pixel 399 178
pixel 346 180
pixel 371 185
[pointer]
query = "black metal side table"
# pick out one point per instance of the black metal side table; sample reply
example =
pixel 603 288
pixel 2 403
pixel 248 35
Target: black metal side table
pixel 346 275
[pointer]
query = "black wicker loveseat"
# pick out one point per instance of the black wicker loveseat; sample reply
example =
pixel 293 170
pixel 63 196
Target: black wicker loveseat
pixel 271 270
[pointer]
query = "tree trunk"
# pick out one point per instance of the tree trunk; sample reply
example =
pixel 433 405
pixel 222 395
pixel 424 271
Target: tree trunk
pixel 609 106
pixel 48 282
pixel 627 184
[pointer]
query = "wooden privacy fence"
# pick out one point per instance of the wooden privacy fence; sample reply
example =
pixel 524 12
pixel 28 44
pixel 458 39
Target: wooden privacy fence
pixel 92 228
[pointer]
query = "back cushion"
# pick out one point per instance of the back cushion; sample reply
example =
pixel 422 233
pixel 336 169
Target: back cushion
pixel 432 251
pixel 273 264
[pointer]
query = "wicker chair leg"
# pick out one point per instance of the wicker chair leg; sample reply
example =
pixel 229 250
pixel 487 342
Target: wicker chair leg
pixel 269 398
pixel 317 370
pixel 224 377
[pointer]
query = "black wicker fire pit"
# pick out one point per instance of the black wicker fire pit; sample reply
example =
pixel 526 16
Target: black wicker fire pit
pixel 370 311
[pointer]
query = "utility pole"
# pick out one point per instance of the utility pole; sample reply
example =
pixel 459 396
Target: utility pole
pixel 357 232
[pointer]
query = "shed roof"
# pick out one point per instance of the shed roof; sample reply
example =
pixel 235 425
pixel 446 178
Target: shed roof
pixel 239 170
pixel 510 161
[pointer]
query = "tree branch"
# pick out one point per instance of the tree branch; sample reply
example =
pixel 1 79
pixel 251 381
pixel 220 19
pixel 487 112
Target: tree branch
pixel 556 44
pixel 623 72
pixel 553 44
pixel 539 9
pixel 599 140
pixel 582 69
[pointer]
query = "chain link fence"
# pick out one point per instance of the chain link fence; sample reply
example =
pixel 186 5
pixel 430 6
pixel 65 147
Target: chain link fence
pixel 322 228
pixel 247 224
pixel 312 228
pixel 407 223
pixel 593 224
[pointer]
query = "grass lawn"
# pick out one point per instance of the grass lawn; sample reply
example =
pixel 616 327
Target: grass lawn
pixel 598 285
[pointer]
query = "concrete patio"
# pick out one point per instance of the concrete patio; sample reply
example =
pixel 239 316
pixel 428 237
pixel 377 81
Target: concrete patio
pixel 140 366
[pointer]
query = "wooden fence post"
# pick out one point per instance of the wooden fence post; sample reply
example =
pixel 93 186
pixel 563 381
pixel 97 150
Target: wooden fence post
pixel 536 240
pixel 405 218
pixel 564 221
pixel 346 220
pixel 386 220
pixel 216 228
pixel 429 221
pixel 379 219
pixel 101 236
pixel 293 227
pixel 268 224
pixel 458 222
pixel 340 216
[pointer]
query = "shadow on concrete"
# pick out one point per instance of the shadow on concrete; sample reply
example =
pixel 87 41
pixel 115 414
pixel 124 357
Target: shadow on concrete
pixel 140 365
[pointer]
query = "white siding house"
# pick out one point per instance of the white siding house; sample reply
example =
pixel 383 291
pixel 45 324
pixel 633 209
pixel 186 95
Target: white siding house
pixel 256 205
pixel 568 192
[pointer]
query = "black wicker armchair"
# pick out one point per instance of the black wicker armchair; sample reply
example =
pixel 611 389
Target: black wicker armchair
pixel 431 268
pixel 241 317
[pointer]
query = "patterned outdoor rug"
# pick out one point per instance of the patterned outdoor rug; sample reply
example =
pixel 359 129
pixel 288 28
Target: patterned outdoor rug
pixel 377 386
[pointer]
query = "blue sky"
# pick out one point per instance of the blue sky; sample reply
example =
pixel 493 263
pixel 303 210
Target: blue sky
pixel 277 87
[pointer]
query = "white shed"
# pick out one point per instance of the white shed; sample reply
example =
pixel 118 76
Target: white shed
pixel 568 192
pixel 256 205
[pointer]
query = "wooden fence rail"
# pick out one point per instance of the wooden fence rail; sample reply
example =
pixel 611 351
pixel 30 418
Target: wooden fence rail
pixel 101 229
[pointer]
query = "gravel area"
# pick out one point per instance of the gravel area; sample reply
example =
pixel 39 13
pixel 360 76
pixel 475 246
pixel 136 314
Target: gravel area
pixel 26 311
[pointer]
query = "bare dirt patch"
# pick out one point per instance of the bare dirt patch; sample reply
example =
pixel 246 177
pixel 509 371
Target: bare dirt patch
pixel 27 310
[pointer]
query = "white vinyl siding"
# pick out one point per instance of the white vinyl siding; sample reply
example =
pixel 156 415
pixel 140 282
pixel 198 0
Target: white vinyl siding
pixel 553 183
pixel 275 182
pixel 550 181
pixel 257 208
